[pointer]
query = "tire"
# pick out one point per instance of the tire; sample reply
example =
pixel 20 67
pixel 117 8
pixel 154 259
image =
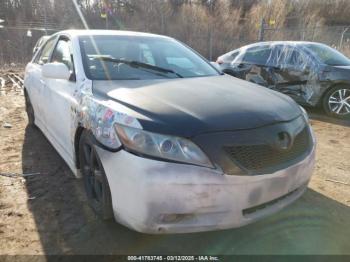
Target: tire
pixel 336 102
pixel 94 177
pixel 29 110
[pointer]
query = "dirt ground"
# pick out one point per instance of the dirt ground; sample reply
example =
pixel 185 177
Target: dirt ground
pixel 48 213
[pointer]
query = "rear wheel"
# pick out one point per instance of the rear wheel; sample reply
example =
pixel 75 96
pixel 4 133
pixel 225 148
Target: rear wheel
pixel 94 178
pixel 336 102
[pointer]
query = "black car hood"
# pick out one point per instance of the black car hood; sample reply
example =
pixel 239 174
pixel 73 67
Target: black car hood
pixel 191 106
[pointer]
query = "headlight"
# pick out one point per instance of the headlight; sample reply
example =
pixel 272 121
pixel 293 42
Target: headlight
pixel 162 146
pixel 305 114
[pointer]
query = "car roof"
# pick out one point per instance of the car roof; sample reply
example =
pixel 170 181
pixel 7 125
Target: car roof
pixel 77 33
pixel 272 43
pixel 44 37
pixel 42 40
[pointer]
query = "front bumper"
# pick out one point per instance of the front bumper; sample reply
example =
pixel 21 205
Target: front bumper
pixel 152 196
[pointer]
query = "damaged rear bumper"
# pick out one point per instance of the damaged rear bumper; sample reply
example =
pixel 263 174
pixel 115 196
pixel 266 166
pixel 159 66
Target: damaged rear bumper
pixel 152 196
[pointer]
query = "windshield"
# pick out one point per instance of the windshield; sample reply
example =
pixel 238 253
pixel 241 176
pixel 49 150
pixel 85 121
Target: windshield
pixel 328 55
pixel 103 58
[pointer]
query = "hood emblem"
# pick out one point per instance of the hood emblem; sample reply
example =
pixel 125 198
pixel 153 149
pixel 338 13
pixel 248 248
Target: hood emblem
pixel 284 141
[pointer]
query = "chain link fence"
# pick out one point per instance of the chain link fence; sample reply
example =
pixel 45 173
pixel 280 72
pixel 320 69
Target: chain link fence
pixel 17 47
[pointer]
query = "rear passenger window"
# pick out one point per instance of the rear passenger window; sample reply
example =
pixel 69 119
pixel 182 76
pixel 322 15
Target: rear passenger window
pixel 234 55
pixel 257 56
pixel 229 57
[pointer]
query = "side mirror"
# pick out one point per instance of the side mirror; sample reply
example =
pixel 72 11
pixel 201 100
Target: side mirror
pixel 217 66
pixel 56 71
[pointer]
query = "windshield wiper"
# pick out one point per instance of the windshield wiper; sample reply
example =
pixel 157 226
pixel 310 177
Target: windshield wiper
pixel 138 64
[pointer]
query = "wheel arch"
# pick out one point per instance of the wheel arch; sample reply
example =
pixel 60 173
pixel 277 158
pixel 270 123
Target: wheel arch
pixel 329 87
pixel 78 132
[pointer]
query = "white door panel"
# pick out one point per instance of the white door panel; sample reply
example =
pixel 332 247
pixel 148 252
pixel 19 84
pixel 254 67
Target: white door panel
pixel 58 116
pixel 59 101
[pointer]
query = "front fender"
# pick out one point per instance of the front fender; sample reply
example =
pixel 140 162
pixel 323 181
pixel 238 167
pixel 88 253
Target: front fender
pixel 99 115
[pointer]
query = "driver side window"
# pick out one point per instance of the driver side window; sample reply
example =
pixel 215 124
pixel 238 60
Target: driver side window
pixel 289 57
pixel 299 60
pixel 45 53
pixel 63 54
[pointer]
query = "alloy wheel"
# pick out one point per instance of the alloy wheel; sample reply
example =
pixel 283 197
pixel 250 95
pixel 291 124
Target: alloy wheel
pixel 92 173
pixel 339 102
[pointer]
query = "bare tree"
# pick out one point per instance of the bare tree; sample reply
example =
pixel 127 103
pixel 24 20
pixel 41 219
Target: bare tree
pixel 210 26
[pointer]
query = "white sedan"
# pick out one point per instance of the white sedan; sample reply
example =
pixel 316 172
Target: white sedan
pixel 164 142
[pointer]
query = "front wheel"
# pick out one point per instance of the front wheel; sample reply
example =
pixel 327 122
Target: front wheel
pixel 336 102
pixel 94 178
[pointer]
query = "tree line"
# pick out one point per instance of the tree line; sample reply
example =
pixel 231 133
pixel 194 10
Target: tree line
pixel 212 27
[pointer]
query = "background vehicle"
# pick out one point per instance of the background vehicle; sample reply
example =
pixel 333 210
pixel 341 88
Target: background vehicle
pixel 163 140
pixel 311 73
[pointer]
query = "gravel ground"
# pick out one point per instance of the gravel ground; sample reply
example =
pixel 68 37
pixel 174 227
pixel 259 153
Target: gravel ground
pixel 48 213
